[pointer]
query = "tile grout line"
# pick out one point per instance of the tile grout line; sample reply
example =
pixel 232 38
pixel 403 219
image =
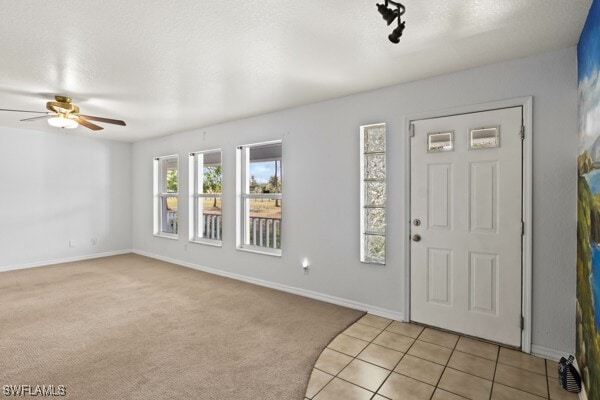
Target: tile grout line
pixel 336 375
pixel 413 343
pixel 435 387
pixel 397 363
pixel 354 358
pixel 390 372
pixel 446 366
pixel 522 369
pixel 547 378
pixel 495 369
pixel 496 364
pixel 320 390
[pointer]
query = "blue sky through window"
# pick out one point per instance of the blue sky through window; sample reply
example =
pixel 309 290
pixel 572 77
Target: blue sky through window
pixel 262 171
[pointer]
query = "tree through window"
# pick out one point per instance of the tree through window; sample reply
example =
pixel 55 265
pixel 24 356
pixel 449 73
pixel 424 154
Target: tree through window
pixel 206 186
pixel 166 196
pixel 259 202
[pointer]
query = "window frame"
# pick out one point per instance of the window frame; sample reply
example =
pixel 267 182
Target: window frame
pixel 195 194
pixel 242 194
pixel 159 195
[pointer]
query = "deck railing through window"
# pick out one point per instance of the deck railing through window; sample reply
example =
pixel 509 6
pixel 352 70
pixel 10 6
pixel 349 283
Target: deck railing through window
pixel 171 222
pixel 265 232
pixel 213 227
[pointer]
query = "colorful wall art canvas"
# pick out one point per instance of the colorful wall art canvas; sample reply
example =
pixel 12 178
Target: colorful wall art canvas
pixel 588 207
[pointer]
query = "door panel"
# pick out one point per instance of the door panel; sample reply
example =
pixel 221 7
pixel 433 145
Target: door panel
pixel 466 194
pixel 483 282
pixel 440 200
pixel 483 201
pixel 439 276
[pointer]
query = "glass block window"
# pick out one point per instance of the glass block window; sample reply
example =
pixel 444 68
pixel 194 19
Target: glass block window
pixel 372 194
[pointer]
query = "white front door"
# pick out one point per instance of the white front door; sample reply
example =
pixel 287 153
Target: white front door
pixel 466 224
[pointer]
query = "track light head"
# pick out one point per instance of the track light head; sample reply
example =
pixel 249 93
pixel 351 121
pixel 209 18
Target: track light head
pixel 382 8
pixel 396 33
pixel 388 14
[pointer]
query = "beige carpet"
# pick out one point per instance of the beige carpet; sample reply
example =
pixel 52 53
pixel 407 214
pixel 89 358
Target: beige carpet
pixel 130 327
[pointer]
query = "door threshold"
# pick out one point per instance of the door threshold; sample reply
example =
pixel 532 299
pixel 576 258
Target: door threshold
pixel 437 328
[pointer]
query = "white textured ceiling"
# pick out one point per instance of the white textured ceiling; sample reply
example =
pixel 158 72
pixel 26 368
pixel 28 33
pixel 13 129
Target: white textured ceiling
pixel 170 66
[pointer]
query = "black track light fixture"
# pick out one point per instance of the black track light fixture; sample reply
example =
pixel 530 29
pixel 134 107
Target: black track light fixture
pixel 389 15
pixel 396 33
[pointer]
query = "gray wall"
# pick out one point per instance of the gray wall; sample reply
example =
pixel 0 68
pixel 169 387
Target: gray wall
pixel 321 187
pixel 56 188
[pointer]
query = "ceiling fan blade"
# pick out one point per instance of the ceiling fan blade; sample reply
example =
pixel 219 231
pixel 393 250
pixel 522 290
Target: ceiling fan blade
pixel 88 124
pixel 36 118
pixel 100 119
pixel 27 111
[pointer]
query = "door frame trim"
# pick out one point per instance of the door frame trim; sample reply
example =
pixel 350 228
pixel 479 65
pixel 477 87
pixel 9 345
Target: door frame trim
pixel 527 204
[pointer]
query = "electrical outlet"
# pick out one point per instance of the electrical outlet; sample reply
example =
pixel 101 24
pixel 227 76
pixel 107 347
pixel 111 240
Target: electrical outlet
pixel 72 243
pixel 94 241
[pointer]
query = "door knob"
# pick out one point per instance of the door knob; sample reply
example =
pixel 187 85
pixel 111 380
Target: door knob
pixel 416 238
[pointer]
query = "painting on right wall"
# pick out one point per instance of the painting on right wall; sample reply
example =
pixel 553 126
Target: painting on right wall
pixel 588 207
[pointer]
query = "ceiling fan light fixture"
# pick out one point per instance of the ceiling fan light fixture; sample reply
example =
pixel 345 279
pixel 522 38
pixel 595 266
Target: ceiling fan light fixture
pixel 63 122
pixel 64 114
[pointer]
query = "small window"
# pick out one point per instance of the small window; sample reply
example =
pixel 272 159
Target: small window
pixel 166 196
pixel 440 141
pixel 206 183
pixel 485 138
pixel 372 193
pixel 259 200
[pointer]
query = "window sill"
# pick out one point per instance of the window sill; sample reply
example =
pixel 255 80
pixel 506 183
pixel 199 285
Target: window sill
pixel 207 242
pixel 265 251
pixel 167 236
pixel 372 262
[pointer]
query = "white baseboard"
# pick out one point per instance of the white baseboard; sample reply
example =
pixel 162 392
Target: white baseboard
pixel 381 312
pixel 385 313
pixel 548 353
pixel 64 260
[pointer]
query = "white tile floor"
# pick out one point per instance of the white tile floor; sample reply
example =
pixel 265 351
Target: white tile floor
pixel 377 358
